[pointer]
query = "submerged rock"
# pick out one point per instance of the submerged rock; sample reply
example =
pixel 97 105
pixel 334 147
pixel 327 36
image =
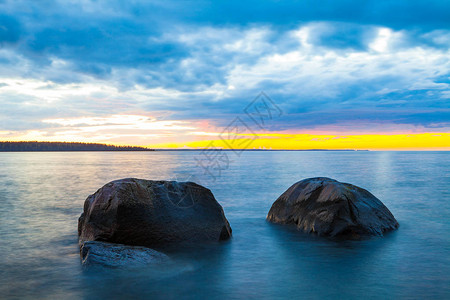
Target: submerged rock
pixel 330 208
pixel 117 255
pixel 152 214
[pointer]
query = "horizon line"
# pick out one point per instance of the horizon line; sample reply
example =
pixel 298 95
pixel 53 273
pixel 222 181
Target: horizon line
pixel 409 149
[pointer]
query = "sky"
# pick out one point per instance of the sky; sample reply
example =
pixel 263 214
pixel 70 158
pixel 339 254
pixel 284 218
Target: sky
pixel 310 74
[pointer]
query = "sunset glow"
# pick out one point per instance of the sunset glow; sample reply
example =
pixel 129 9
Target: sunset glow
pixel 422 141
pixel 363 82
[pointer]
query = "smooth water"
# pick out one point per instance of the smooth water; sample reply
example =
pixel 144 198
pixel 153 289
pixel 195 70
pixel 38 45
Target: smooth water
pixel 42 195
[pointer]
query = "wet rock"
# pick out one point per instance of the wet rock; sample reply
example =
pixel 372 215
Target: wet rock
pixel 330 208
pixel 117 255
pixel 152 214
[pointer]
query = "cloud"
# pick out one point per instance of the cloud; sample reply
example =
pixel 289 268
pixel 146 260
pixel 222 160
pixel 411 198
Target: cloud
pixel 115 122
pixel 109 129
pixel 342 66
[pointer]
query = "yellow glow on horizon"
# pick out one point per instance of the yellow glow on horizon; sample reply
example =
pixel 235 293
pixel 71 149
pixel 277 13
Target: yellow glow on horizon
pixel 275 141
pixel 414 141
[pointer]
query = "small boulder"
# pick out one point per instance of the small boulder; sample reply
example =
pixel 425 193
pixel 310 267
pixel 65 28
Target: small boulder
pixel 327 207
pixel 117 255
pixel 152 213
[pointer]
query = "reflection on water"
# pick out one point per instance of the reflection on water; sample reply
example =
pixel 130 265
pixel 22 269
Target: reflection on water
pixel 42 194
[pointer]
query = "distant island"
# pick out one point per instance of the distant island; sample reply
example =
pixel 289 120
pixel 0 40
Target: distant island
pixel 63 146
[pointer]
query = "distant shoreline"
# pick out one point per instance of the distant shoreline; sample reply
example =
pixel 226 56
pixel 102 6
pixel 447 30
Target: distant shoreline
pixel 34 146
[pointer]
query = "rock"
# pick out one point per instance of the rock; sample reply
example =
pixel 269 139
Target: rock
pixel 152 214
pixel 330 208
pixel 117 255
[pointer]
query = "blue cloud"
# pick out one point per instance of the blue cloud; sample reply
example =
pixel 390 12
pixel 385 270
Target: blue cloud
pixel 342 36
pixel 10 30
pixel 237 49
pixel 131 37
pixel 396 14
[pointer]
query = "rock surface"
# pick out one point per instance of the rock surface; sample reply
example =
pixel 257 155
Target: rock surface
pixel 117 255
pixel 152 213
pixel 330 208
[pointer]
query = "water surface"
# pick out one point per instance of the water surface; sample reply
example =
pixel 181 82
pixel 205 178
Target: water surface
pixel 42 195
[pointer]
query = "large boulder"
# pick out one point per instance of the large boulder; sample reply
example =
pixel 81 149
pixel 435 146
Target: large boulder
pixel 330 208
pixel 117 255
pixel 152 214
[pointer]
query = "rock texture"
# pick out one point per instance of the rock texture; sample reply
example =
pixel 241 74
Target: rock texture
pixel 117 255
pixel 152 214
pixel 330 208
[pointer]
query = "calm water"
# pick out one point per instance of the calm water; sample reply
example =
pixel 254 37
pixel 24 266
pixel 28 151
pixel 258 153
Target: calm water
pixel 42 195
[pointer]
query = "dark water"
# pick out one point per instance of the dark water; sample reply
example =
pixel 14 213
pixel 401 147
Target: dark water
pixel 41 197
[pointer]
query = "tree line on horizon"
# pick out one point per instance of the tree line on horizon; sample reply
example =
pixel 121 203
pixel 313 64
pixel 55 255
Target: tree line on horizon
pixel 64 146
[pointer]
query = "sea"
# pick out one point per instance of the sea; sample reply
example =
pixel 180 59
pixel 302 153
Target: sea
pixel 42 196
